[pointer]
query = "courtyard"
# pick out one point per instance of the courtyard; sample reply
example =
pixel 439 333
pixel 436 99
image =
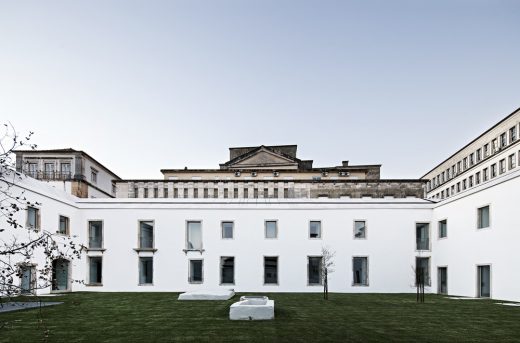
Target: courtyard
pixel 160 317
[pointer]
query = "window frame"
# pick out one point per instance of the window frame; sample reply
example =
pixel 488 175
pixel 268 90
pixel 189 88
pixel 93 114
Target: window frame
pixel 201 271
pixel 477 280
pixel 277 270
pixel 102 247
pixel 93 175
pixel 429 236
pixel 67 228
pixel 321 229
pixel 276 228
pixel 429 283
pixel 232 222
pixel 367 272
pixel 220 271
pixel 37 220
pixel 139 242
pixel 354 229
pixel 439 222
pixel 320 283
pixel 139 258
pixel 478 217
pixel 90 283
pixel 186 247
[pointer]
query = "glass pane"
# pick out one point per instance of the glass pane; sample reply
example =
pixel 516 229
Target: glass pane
pixel 270 270
pixel 95 235
pixel 32 215
pixel 63 225
pixel 423 236
pixel 485 281
pixel 360 271
pixel 194 236
pixel 146 270
pixel 95 270
pixel 195 271
pixel 227 270
pixel 60 273
pixel 359 229
pixel 146 235
pixel 483 217
pixel 26 280
pixel 314 270
pixel 315 229
pixel 227 230
pixel 270 229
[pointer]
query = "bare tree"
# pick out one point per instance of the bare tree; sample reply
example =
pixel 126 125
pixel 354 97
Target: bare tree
pixel 327 267
pixel 22 245
pixel 420 282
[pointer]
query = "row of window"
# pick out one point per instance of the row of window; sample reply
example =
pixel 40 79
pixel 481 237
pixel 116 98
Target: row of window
pixel 497 144
pixel 481 176
pixel 210 193
pixel 227 270
pixel 49 170
pixel 422 230
pixel 194 232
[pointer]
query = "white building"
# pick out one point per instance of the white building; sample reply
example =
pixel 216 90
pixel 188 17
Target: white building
pixel 259 222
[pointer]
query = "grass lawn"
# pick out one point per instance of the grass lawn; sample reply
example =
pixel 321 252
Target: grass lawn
pixel 159 317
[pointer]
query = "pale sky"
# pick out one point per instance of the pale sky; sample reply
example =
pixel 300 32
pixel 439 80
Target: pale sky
pixel 145 85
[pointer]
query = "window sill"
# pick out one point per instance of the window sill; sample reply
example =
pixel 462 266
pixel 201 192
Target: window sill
pixel 195 282
pixel 186 251
pixel 95 249
pixel 359 285
pixel 145 284
pixel 94 284
pixel 314 284
pixel 145 249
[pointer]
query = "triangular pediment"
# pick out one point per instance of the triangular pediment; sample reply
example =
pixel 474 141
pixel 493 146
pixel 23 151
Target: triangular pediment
pixel 263 158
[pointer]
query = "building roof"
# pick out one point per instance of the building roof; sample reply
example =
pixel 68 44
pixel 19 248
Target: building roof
pixel 68 151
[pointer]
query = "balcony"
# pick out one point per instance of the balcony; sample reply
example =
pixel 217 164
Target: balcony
pixel 49 176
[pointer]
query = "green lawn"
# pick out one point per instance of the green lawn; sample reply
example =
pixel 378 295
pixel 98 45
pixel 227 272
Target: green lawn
pixel 159 317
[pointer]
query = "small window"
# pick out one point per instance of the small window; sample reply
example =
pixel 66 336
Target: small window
pixel 422 236
pixel 33 218
pixel 64 226
pixel 493 170
pixel 227 230
pixel 512 134
pixel 443 228
pixel 315 229
pixel 195 272
pixel 145 270
pixel 494 146
pixel 195 193
pixel 485 174
pixel 95 234
pixel 486 150
pixel 360 271
pixel 156 192
pixel 271 229
pixel 266 193
pixel 286 193
pixel 465 163
pixel 194 235
pixel 512 161
pixel 93 175
pixel 271 270
pixel 360 229
pixel 48 169
pixel 205 193
pixel 276 192
pixel 27 279
pixel 314 270
pixel 146 234
pixel 502 166
pixel 246 193
pixel 478 153
pixel 175 193
pixel 185 191
pixel 477 178
pixel 471 160
pixel 136 192
pixel 503 140
pixel 255 193
pixel 483 217
pixel 114 188
pixel 165 192
pixel 470 181
pixel 146 192
pixel 95 270
pixel 226 193
pixel 235 193
pixel 227 270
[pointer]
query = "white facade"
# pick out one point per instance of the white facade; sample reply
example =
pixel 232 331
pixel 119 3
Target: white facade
pixel 476 241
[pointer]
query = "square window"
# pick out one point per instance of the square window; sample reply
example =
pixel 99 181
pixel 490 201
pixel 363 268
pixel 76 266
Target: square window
pixel 146 234
pixel 483 217
pixel 227 230
pixel 360 271
pixel 315 229
pixel 195 271
pixel 443 228
pixel 359 229
pixel 270 270
pixel 95 234
pixel 145 270
pixel 64 226
pixel 227 270
pixel 271 229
